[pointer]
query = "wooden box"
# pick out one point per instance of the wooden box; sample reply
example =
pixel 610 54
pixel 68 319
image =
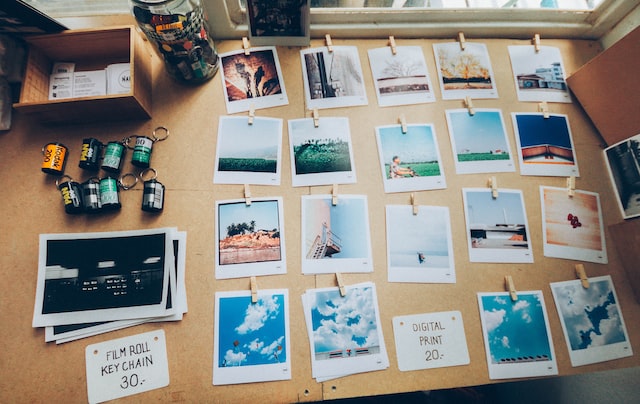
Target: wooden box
pixel 89 49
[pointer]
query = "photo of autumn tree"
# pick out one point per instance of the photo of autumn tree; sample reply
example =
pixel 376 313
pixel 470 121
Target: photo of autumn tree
pixel 464 69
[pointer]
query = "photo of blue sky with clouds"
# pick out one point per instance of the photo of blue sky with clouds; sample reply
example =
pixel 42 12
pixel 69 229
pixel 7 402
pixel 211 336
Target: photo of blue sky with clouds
pixel 515 329
pixel 415 146
pixel 342 323
pixel 251 334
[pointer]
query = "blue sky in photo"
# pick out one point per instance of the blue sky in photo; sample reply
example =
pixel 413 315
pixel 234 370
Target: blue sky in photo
pixel 348 322
pixel 536 129
pixel 417 145
pixel 515 329
pixel 425 232
pixel 483 209
pixel 251 334
pixel 349 221
pixel 479 133
pixel 238 139
pixel 265 213
pixel 591 316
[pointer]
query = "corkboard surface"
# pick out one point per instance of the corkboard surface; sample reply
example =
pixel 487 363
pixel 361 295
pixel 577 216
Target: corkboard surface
pixel 32 369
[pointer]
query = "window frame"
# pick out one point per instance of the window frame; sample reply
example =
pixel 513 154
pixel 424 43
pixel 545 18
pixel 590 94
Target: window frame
pixel 437 23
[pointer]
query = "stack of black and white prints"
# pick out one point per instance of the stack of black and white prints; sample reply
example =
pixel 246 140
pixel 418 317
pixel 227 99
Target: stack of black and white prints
pixel 90 283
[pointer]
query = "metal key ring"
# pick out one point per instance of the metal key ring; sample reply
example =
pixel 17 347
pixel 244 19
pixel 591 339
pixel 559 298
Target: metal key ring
pixel 59 180
pixel 160 139
pixel 125 142
pixel 124 186
pixel 147 170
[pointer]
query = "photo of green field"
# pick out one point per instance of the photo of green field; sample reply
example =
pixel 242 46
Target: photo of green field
pixel 462 157
pixel 255 165
pixel 424 169
pixel 322 156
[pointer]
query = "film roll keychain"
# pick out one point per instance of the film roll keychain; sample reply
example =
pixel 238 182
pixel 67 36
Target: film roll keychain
pixel 141 156
pixel 54 158
pixel 153 193
pixel 71 194
pixel 91 195
pixel 114 153
pixel 90 154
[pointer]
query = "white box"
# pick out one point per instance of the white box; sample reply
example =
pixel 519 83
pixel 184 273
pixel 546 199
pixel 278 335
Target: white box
pixel 119 78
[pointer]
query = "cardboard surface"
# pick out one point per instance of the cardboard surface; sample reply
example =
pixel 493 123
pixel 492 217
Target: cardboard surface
pixel 32 369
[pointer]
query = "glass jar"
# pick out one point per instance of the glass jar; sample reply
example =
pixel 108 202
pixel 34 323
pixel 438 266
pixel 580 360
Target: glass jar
pixel 178 30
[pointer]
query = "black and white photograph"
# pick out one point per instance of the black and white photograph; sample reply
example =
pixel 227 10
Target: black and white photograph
pixel 252 81
pixel 321 155
pixel 72 332
pixel 401 78
pixel 248 153
pixel 335 238
pixel 345 332
pixel 623 163
pixel 249 238
pixel 282 22
pixel 497 228
pixel 591 320
pixel 419 246
pixel 332 79
pixel 539 75
pixel 464 73
pixel 88 277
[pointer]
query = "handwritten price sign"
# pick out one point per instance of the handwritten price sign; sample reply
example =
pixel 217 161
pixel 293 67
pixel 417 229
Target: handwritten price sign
pixel 431 340
pixel 126 366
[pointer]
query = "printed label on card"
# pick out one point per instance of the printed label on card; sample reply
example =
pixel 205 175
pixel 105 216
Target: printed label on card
pixel 430 340
pixel 126 366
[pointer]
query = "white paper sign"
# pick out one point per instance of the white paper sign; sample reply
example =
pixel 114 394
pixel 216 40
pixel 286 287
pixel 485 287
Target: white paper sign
pixel 430 340
pixel 126 366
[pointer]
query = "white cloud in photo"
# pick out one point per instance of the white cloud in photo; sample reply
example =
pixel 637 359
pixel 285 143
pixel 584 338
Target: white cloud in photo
pixel 493 319
pixel 234 358
pixel 272 348
pixel 255 345
pixel 500 300
pixel 258 314
pixel 505 341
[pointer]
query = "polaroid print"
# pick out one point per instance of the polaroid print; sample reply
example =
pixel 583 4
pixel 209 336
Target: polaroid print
pixel 248 154
pixel 321 155
pixel 89 277
pixel 479 141
pixel 251 340
pixel 284 23
pixel 250 238
pixel 497 229
pixel 345 333
pixel 572 227
pixel 623 163
pixel 517 337
pixel 464 73
pixel 332 79
pixel 410 161
pixel 591 320
pixel 539 75
pixel 400 79
pixel 335 238
pixel 252 81
pixel 419 247
pixel 545 145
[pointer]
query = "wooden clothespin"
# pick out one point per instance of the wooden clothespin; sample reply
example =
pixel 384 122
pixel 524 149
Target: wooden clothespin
pixel 544 108
pixel 392 44
pixel 247 194
pixel 334 195
pixel 252 114
pixel 509 287
pixel 246 46
pixel 462 41
pixel 582 275
pixel 493 183
pixel 469 104
pixel 403 123
pixel 571 186
pixel 254 290
pixel 341 288
pixel 414 205
pixel 536 42
pixel 327 39
pixel 316 118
